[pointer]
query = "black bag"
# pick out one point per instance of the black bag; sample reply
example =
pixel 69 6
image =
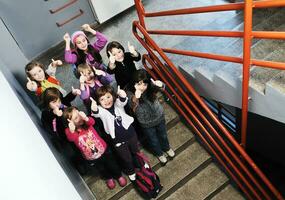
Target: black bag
pixel 147 182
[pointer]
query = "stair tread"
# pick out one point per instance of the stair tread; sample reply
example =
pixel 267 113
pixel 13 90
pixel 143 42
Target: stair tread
pixel 178 135
pixel 259 76
pixel 278 82
pixel 269 19
pixel 203 184
pixel 188 160
pixel 228 193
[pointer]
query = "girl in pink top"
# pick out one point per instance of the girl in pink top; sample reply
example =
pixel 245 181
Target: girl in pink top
pixel 84 51
pixel 94 149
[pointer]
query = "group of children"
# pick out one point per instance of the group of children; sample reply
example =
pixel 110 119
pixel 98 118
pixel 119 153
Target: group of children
pixel 106 134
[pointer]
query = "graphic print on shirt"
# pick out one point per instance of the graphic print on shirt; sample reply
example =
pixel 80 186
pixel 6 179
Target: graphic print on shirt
pixel 90 146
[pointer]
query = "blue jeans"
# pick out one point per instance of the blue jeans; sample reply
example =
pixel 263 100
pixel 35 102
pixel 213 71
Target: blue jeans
pixel 157 138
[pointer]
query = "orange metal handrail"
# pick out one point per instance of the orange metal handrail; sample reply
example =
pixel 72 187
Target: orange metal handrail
pixel 255 34
pixel 184 114
pixel 216 8
pixel 248 34
pixel 197 97
pixel 220 150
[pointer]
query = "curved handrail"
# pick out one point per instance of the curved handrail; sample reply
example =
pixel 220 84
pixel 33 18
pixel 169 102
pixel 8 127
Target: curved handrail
pixel 197 97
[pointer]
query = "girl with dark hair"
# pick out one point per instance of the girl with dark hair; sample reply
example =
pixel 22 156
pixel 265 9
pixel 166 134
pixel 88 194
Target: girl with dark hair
pixel 117 124
pixel 53 104
pixel 84 51
pixel 149 113
pixel 40 79
pixel 81 132
pixel 121 63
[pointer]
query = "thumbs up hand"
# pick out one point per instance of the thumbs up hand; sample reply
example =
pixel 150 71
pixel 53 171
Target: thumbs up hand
pixel 158 83
pixel 121 93
pixel 31 85
pixel 94 106
pixel 71 126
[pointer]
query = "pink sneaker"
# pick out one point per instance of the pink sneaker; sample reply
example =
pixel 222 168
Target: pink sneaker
pixel 111 184
pixel 122 181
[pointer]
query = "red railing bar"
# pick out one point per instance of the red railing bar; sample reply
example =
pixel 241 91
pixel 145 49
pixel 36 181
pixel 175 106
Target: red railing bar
pixel 198 33
pixel 268 64
pixel 255 34
pixel 200 101
pixel 182 92
pixel 196 130
pixel 262 63
pixel 268 34
pixel 216 8
pixel 204 55
pixel 246 67
pixel 141 12
pixel 268 3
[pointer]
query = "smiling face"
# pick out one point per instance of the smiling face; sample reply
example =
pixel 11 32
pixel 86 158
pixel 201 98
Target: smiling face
pixel 81 42
pixel 37 74
pixel 118 53
pixel 106 101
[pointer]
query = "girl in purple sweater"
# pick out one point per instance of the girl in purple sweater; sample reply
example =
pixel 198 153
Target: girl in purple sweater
pixel 84 51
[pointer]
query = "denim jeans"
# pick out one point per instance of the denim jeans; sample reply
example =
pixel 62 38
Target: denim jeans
pixel 157 138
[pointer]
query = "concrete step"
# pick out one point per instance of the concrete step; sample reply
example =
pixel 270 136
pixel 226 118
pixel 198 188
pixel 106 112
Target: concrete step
pixel 259 76
pixel 268 19
pixel 180 137
pixel 228 193
pixel 278 83
pixel 202 186
pixel 179 169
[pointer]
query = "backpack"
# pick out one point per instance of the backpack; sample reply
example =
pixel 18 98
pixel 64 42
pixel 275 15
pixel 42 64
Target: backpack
pixel 147 182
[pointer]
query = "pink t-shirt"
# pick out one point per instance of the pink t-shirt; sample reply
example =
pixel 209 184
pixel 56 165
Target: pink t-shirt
pixel 91 145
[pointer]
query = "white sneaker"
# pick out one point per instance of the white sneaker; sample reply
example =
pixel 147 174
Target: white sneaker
pixel 170 153
pixel 162 159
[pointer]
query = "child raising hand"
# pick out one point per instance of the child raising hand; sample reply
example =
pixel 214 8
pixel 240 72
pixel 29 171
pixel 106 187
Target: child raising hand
pixel 121 63
pixel 40 79
pixel 81 132
pixel 117 124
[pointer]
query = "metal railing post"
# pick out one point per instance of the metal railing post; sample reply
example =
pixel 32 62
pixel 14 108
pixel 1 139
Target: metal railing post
pixel 247 38
pixel 140 11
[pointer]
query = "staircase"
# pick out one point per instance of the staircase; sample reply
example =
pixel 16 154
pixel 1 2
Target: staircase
pixel 192 174
pixel 222 81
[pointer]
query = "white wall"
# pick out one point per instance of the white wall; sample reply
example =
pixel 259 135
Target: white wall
pixel 28 169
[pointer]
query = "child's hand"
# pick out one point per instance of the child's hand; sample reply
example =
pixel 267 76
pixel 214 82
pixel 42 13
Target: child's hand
pixel 99 72
pixel 56 62
pixel 82 78
pixel 71 126
pixel 83 116
pixel 158 83
pixel 57 112
pixel 67 38
pixel 111 58
pixel 138 92
pixel 75 92
pixel 121 93
pixel 94 106
pixel 31 85
pixel 132 49
pixel 86 27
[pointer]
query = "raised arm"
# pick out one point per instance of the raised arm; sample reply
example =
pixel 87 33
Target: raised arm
pixel 101 40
